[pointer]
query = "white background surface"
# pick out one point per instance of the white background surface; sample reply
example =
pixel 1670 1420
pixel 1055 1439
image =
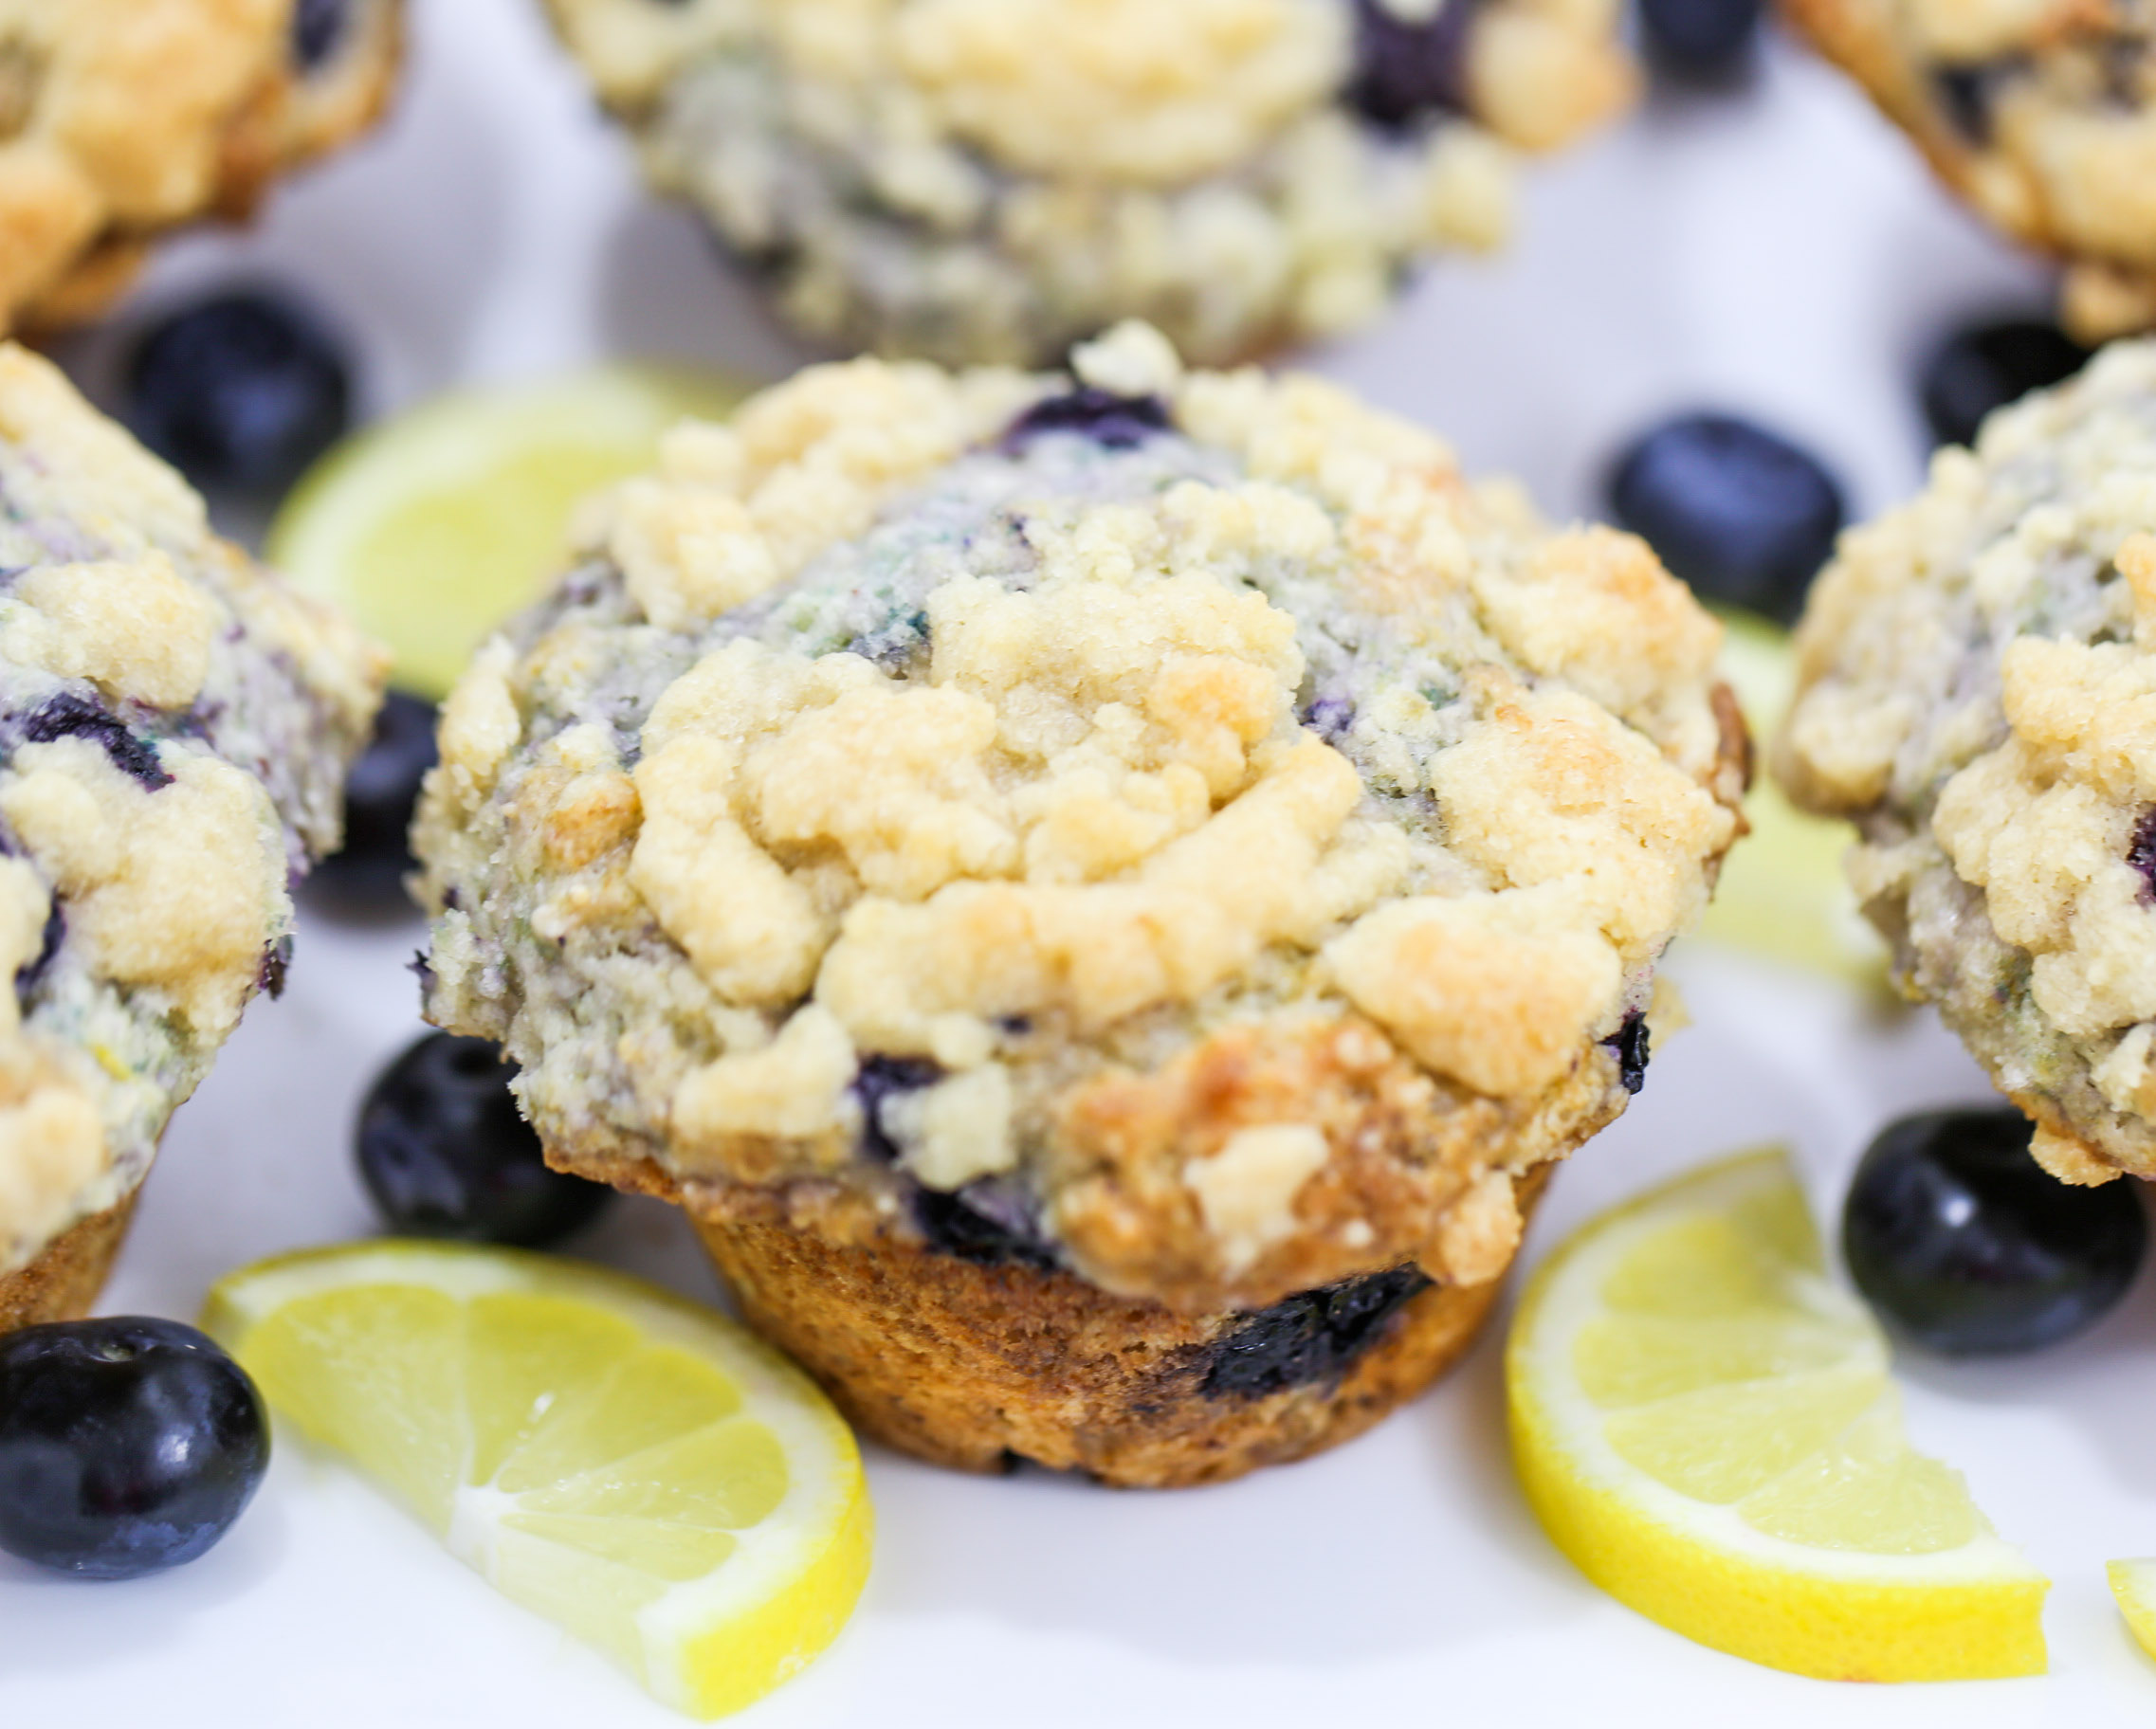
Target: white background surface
pixel 1778 252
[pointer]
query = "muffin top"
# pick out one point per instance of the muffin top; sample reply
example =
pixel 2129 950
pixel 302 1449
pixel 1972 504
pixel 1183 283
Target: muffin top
pixel 1167 825
pixel 120 118
pixel 990 180
pixel 1978 692
pixel 2042 113
pixel 174 725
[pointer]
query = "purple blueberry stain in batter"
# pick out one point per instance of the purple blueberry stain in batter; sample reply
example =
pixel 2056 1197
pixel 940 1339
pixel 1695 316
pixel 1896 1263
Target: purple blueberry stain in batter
pixel 276 963
pixel 68 716
pixel 1330 717
pixel 31 972
pixel 1631 1047
pixel 1113 422
pixel 2141 854
pixel 878 1079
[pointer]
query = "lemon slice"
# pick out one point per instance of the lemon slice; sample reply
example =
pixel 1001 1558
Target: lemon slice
pixel 2133 1583
pixel 1705 1423
pixel 630 1465
pixel 1781 892
pixel 432 528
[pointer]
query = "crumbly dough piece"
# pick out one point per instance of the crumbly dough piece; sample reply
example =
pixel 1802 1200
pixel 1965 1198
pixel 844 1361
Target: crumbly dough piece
pixel 990 180
pixel 1977 693
pixel 174 727
pixel 120 118
pixel 2041 113
pixel 1176 819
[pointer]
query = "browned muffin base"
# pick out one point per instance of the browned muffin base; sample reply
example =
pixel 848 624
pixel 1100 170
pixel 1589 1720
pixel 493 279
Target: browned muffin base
pixel 975 1366
pixel 63 1282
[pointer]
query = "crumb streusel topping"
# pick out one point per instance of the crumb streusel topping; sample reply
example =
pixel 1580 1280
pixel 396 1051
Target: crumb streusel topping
pixel 1174 813
pixel 174 725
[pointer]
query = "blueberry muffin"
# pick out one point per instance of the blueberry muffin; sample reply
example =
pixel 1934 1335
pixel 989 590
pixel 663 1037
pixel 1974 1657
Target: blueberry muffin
pixel 990 180
pixel 2041 113
pixel 1099 895
pixel 120 118
pixel 174 726
pixel 1978 694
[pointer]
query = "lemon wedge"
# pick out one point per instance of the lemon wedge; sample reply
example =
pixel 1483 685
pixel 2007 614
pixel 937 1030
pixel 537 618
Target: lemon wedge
pixel 434 527
pixel 633 1467
pixel 1781 892
pixel 2133 1583
pixel 1706 1424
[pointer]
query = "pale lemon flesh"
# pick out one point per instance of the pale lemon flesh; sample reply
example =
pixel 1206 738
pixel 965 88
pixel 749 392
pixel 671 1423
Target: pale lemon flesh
pixel 434 527
pixel 1705 1422
pixel 2133 1583
pixel 636 1468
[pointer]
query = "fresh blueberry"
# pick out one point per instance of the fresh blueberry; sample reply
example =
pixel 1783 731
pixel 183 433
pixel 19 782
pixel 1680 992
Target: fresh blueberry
pixel 240 392
pixel 1968 1246
pixel 126 1446
pixel 1745 516
pixel 444 1153
pixel 1987 366
pixel 1701 42
pixel 1406 68
pixel 318 27
pixel 378 796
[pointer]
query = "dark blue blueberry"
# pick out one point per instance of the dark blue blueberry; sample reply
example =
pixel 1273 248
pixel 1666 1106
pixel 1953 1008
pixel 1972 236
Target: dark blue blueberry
pixel 1405 70
pixel 1967 1246
pixel 1701 42
pixel 1987 366
pixel 879 1079
pixel 2141 854
pixel 31 972
pixel 987 1222
pixel 379 793
pixel 1743 517
pixel 126 1445
pixel 1631 1049
pixel 239 392
pixel 1968 94
pixel 1314 1335
pixel 444 1153
pixel 318 27
pixel 276 963
pixel 1115 422
pixel 68 716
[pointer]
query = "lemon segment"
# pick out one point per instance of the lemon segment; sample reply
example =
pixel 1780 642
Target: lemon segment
pixel 1706 1424
pixel 2133 1583
pixel 434 527
pixel 1781 892
pixel 635 1469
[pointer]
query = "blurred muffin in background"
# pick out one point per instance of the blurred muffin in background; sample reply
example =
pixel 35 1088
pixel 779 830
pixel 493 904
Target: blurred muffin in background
pixel 1977 693
pixel 2041 113
pixel 1103 896
pixel 990 180
pixel 121 118
pixel 176 723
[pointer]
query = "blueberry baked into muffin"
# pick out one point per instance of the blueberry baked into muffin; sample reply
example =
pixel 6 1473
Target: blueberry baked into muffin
pixel 1101 896
pixel 174 727
pixel 2041 113
pixel 991 180
pixel 1978 694
pixel 120 119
